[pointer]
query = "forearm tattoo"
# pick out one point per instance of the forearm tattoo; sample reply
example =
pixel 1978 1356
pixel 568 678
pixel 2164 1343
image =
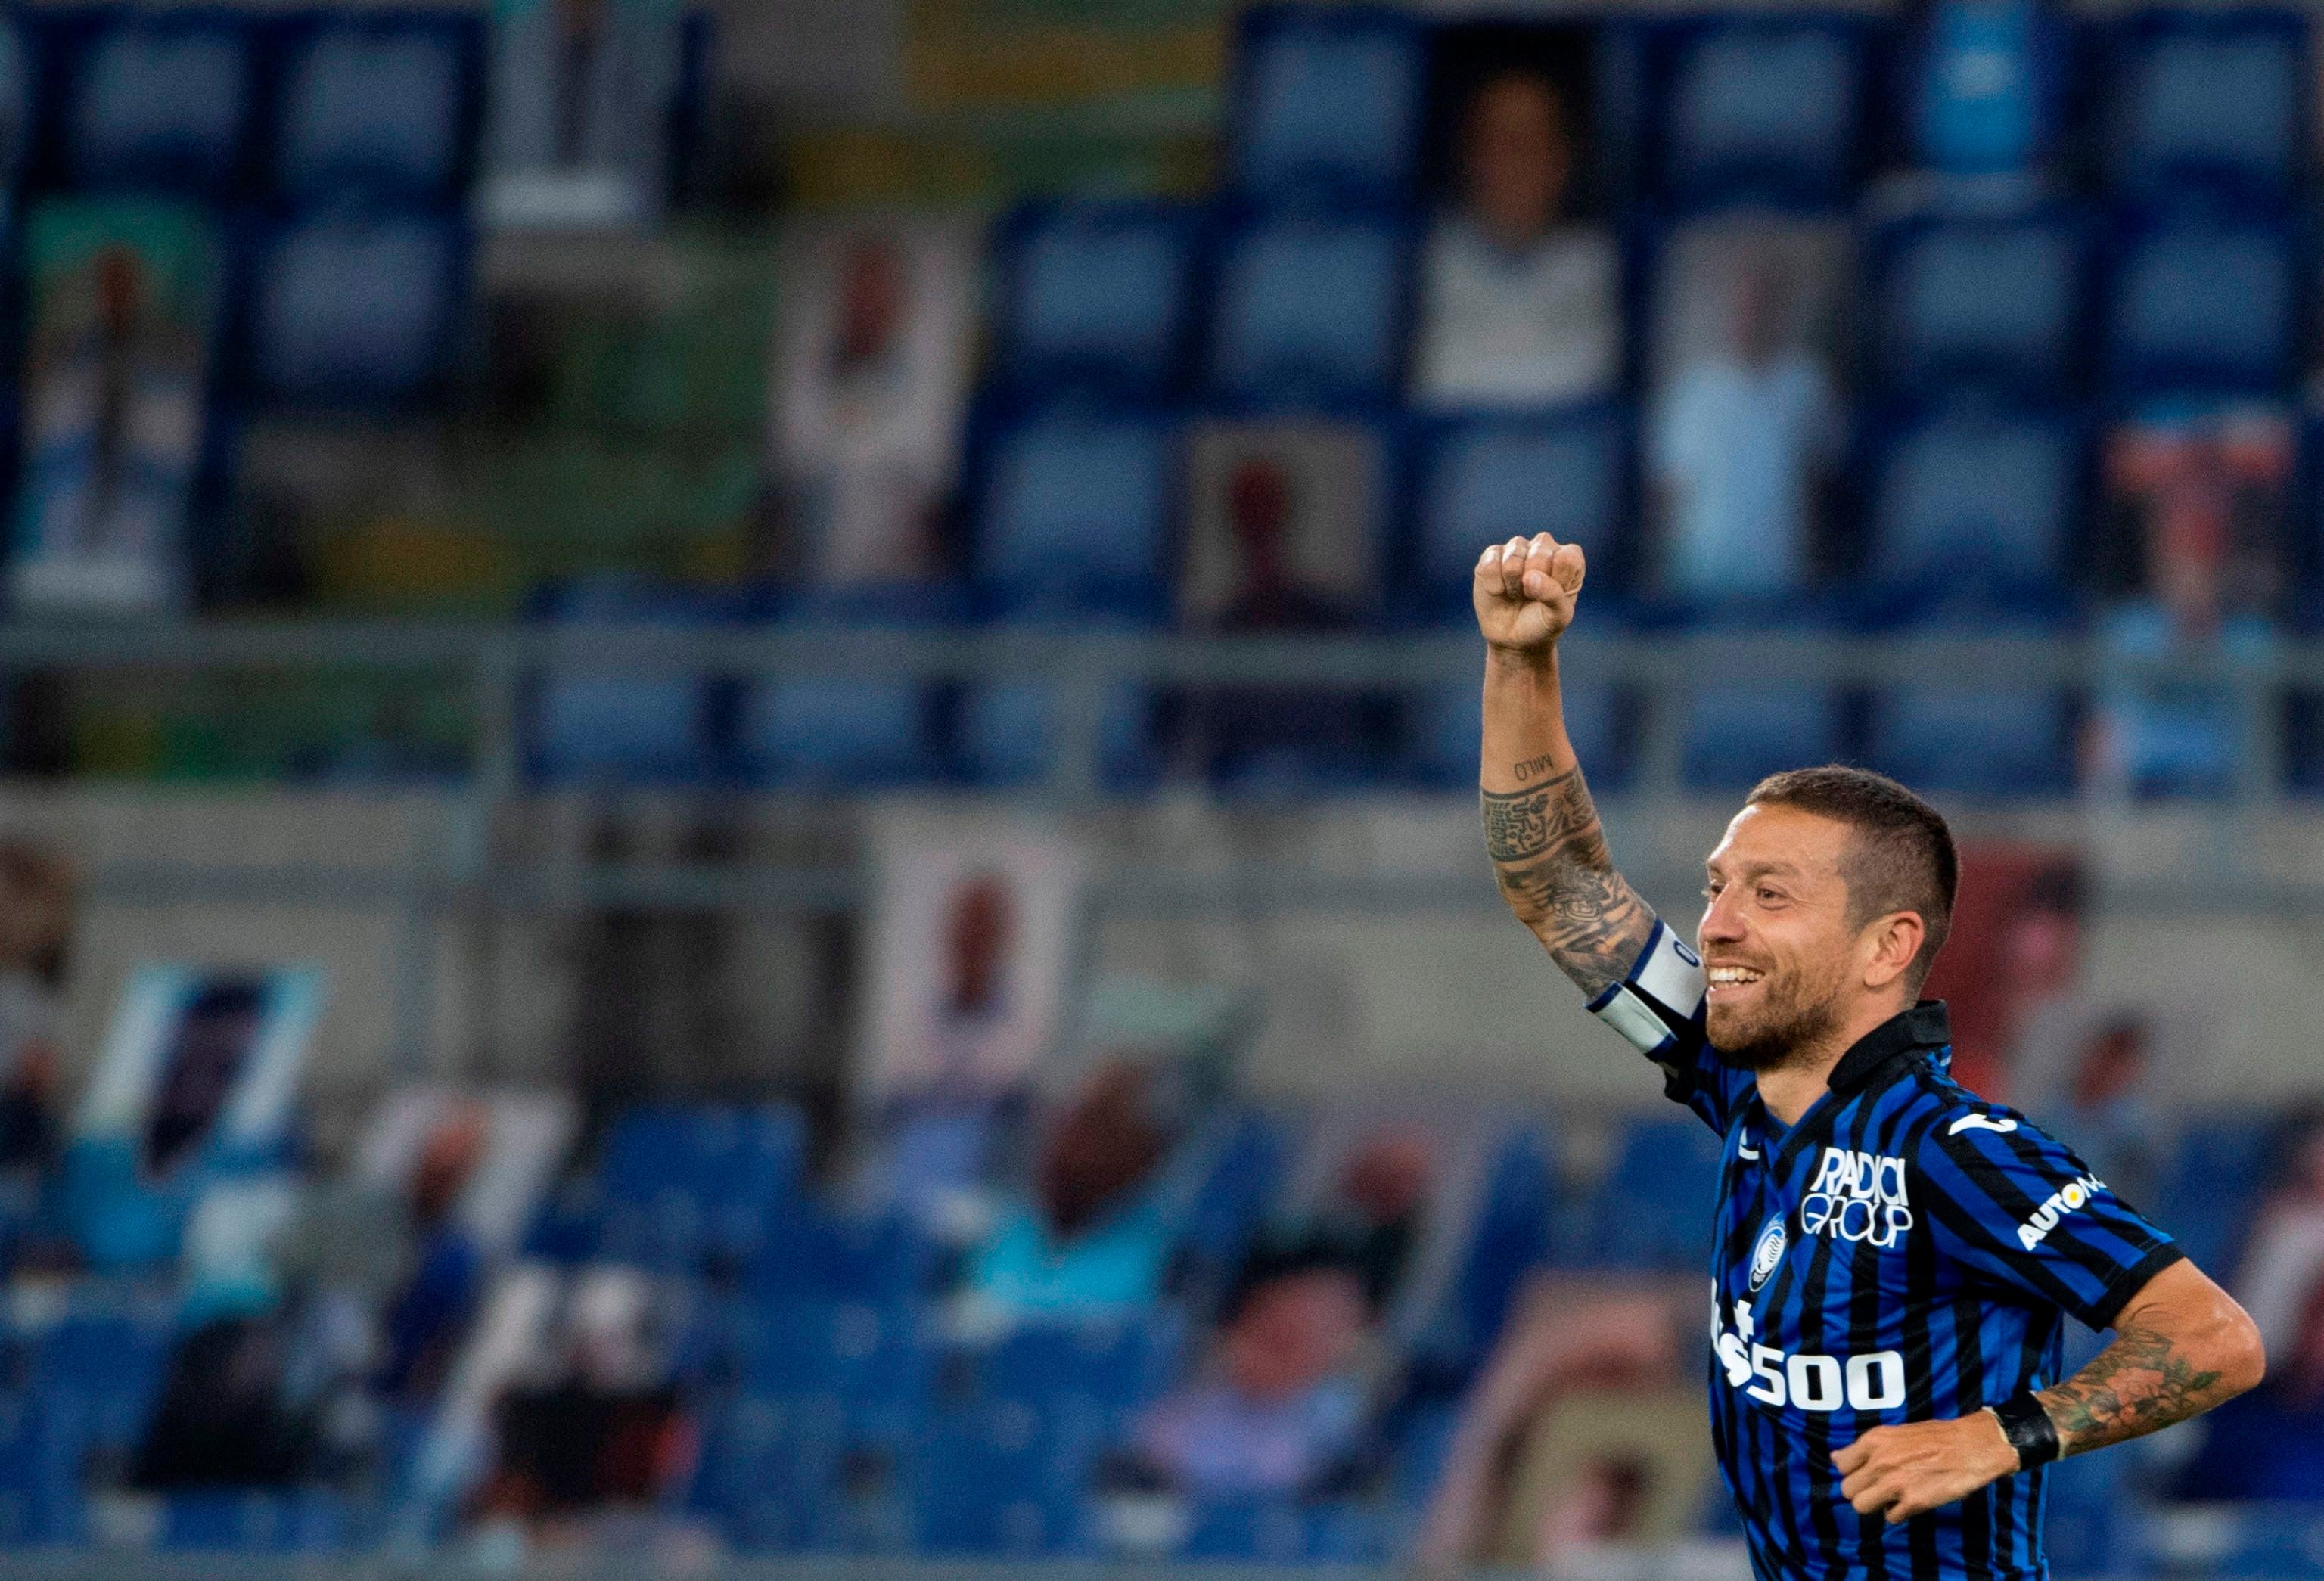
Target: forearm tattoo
pixel 2137 1385
pixel 1555 870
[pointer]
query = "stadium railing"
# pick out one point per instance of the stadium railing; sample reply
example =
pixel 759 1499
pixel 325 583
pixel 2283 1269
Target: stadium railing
pixel 471 871
pixel 1663 668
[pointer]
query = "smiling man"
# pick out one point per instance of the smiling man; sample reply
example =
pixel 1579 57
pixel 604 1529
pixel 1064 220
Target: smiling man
pixel 1892 1257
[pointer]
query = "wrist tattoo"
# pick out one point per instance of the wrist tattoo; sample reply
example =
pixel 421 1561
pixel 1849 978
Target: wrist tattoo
pixel 1531 767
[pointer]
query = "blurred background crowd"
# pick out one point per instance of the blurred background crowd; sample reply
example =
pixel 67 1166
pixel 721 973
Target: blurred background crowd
pixel 739 743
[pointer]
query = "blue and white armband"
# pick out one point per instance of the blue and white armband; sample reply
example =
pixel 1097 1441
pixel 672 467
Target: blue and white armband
pixel 1662 995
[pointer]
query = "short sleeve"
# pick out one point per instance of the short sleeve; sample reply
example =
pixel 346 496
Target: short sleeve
pixel 1657 1007
pixel 2019 1208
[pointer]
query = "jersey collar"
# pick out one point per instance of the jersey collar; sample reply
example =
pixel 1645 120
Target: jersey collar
pixel 1882 1049
pixel 1924 1027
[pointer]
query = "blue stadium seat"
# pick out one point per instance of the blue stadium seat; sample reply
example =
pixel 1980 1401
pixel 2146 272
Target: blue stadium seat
pixel 1276 744
pixel 1986 743
pixel 1332 1534
pixel 1009 732
pixel 2205 306
pixel 1350 1532
pixel 1443 724
pixel 2264 1539
pixel 755 1153
pixel 781 1477
pixel 2304 734
pixel 1422 1442
pixel 680 1183
pixel 1975 738
pixel 1485 479
pixel 41 1469
pixel 834 732
pixel 870 1359
pixel 380 107
pixel 97 1376
pixel 1762 107
pixel 20 73
pixel 603 726
pixel 2215 1181
pixel 1328 104
pixel 358 311
pixel 1076 512
pixel 1738 735
pixel 786 1475
pixel 1285 1532
pixel 877 1522
pixel 833 729
pixel 567 1227
pixel 1097 296
pixel 651 1149
pixel 1252 1530
pixel 1983 86
pixel 2091 1516
pixel 2174 736
pixel 813 1255
pixel 1997 303
pixel 1309 309
pixel 1003 1478
pixel 17 1219
pixel 1975 502
pixel 161 103
pixel 1117 1366
pixel 1231 1200
pixel 1509 1238
pixel 1655 1200
pixel 2208 101
pixel 622 728
pixel 746 1466
pixel 222 1520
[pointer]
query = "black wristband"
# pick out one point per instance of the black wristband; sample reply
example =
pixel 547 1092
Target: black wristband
pixel 2028 1429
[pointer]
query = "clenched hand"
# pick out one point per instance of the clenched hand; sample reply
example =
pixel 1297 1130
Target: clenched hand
pixel 1525 592
pixel 1912 1468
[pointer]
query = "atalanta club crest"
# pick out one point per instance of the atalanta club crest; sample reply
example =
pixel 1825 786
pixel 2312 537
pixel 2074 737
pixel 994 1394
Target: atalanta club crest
pixel 1768 1252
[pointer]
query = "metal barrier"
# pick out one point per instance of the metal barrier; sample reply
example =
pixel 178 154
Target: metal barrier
pixel 1662 669
pixel 500 662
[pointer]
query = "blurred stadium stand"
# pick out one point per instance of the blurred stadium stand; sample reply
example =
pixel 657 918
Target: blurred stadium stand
pixel 540 508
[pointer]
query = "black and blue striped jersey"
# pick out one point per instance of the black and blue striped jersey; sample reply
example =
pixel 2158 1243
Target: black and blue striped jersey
pixel 1905 1252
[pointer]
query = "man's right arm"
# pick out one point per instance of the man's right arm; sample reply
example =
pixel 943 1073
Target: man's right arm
pixel 1541 827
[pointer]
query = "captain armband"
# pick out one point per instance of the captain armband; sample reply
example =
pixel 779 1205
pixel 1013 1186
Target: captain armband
pixel 1662 995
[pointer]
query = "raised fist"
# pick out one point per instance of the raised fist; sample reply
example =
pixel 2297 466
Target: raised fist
pixel 1525 591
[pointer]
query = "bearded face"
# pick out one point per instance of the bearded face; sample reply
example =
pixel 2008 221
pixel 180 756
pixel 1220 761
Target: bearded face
pixel 1776 939
pixel 1790 1007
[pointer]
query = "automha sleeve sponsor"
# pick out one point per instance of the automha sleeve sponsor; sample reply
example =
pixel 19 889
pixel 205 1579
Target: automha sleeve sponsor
pixel 2020 1209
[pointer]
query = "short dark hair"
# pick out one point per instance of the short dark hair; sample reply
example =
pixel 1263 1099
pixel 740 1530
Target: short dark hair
pixel 1902 857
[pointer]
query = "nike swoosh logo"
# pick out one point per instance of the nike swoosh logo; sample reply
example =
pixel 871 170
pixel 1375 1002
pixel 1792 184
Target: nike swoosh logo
pixel 1745 1151
pixel 1980 1123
